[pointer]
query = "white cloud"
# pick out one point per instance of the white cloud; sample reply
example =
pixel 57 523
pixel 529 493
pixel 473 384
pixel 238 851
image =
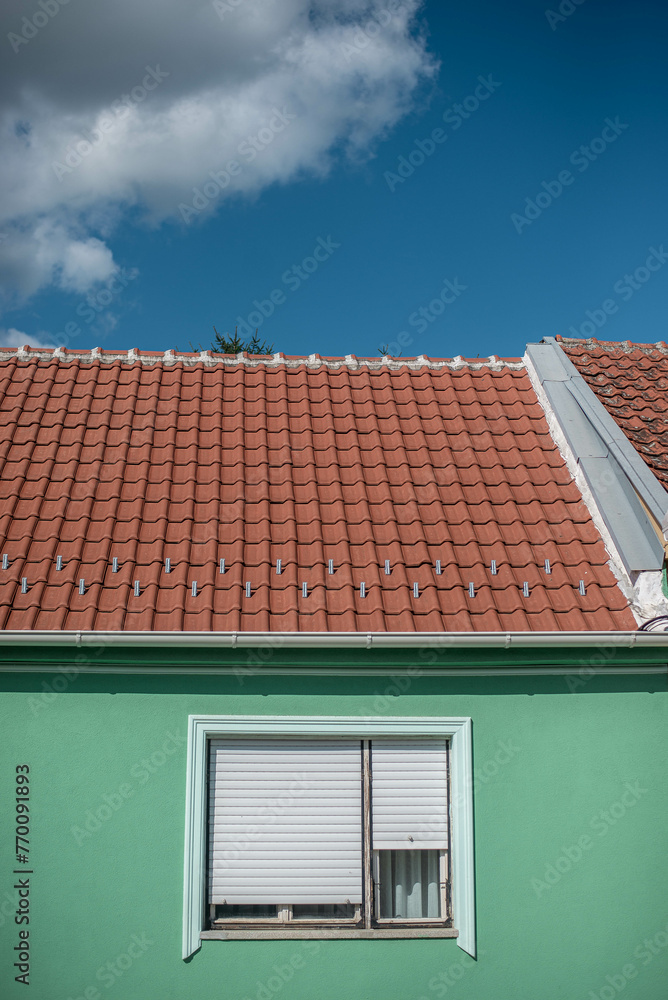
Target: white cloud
pixel 46 253
pixel 15 338
pixel 85 263
pixel 280 87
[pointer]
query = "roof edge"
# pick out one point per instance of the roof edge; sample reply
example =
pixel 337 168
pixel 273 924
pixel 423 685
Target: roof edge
pixel 609 653
pixel 365 640
pixel 637 471
pixel 211 360
pixel 612 476
pixel 591 343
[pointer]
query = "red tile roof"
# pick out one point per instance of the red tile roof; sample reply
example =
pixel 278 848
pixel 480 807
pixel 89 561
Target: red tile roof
pixel 631 380
pixel 195 458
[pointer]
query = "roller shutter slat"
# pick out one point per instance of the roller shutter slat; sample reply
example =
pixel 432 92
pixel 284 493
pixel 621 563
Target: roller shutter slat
pixel 409 793
pixel 285 821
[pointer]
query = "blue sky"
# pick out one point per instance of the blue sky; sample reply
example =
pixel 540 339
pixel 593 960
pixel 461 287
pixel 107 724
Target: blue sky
pixel 444 179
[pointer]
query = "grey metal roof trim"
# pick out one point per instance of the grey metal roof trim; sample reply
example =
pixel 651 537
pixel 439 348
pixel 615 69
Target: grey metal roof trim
pixel 612 468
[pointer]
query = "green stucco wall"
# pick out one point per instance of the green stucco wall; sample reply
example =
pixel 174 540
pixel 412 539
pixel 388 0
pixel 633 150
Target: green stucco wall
pixel 553 766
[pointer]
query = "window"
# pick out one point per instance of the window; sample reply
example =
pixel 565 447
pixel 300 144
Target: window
pixel 296 825
pixel 328 830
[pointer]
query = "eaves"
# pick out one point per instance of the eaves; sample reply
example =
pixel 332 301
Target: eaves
pixel 247 654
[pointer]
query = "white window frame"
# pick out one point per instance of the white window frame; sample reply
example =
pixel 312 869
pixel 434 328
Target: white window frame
pixel 201 728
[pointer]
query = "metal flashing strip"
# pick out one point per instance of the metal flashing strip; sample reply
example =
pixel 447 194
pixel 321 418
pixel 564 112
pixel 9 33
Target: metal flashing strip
pixel 612 469
pixel 637 471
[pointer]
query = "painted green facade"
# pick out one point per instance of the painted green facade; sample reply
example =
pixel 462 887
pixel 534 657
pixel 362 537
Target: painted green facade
pixel 571 808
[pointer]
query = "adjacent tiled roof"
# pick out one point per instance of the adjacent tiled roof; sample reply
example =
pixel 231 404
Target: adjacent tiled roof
pixel 631 380
pixel 197 458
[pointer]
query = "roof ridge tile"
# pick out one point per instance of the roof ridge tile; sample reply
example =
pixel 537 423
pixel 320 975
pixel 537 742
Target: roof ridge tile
pixel 243 359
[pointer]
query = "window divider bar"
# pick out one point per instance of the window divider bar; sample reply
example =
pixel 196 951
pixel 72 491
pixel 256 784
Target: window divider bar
pixel 376 882
pixel 443 860
pixel 366 843
pixel 446 862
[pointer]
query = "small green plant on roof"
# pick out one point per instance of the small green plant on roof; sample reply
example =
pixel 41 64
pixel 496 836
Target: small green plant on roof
pixel 227 344
pixel 384 350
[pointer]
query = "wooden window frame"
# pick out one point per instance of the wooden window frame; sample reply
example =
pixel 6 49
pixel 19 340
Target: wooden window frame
pixel 444 882
pixel 284 916
pixel 460 858
pixel 367 912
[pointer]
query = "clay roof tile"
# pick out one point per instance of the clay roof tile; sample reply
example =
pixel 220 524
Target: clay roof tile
pixel 145 457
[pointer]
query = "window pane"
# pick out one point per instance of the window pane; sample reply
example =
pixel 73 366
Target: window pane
pixel 409 884
pixel 323 911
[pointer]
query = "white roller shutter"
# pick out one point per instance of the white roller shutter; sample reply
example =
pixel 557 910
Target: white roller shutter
pixel 285 821
pixel 409 793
